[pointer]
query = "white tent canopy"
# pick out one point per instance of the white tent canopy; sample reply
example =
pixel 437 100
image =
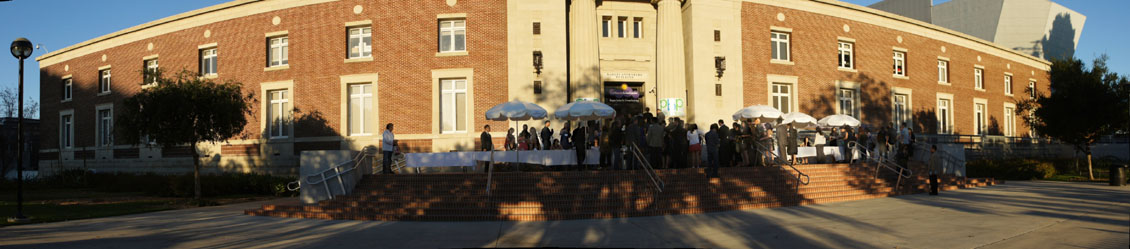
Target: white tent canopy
pixel 516 111
pixel 838 120
pixel 584 110
pixel 799 120
pixel 763 112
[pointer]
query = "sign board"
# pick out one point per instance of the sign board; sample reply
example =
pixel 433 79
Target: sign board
pixel 624 76
pixel 673 107
pixel 621 94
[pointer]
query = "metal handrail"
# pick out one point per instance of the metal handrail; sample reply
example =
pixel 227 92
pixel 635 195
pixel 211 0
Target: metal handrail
pixel 946 156
pixel 337 172
pixel 785 162
pixel 902 172
pixel 658 182
pixel 490 171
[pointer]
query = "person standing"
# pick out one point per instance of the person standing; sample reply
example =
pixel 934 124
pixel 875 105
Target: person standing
pixel 934 164
pixel 679 140
pixel 488 144
pixel 781 140
pixel 605 151
pixel 881 141
pixel 580 146
pixel 630 137
pixel 792 143
pixel 388 146
pixel 725 146
pixel 546 136
pixel 904 144
pixel 511 143
pixel 615 140
pixel 655 143
pixel 713 143
pixel 566 142
pixel 849 136
pixel 695 146
pixel 819 141
pixel 892 142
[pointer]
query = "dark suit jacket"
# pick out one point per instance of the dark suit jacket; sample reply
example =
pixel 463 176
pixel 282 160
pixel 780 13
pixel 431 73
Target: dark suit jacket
pixel 488 144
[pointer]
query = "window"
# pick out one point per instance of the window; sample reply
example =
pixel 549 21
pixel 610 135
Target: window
pixel 847 102
pixel 637 28
pixel 943 71
pixel 900 63
pixel 780 43
pixel 104 81
pixel 1009 121
pixel 537 28
pixel 846 58
pixel 278 114
pixel 622 29
pixel 453 103
pixel 67 87
pixel 979 78
pixel 151 71
pixel 606 27
pixel 277 54
pixel 782 97
pixel 360 107
pixel 452 36
pixel 901 109
pixel 208 63
pixel 105 127
pixel 360 42
pixel 945 118
pixel 717 35
pixel 1008 84
pixel 66 129
pixel 978 119
pixel 717 89
pixel 1032 89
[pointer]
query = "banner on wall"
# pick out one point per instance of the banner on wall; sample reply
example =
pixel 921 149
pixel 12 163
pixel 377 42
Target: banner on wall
pixel 673 107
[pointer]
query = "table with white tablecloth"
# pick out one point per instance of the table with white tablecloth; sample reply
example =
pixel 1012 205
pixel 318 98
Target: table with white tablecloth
pixel 466 159
pixel 828 150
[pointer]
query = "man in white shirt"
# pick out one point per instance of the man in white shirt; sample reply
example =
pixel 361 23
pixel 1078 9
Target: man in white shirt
pixel 904 143
pixel 388 145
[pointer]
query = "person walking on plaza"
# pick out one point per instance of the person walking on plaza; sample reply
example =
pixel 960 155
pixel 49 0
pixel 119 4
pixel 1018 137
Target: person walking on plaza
pixel 388 146
pixel 792 143
pixel 713 143
pixel 487 144
pixel 580 146
pixel 694 148
pixel 655 143
pixel 546 136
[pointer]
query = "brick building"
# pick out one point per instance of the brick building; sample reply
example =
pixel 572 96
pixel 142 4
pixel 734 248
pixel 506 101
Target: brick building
pixel 434 67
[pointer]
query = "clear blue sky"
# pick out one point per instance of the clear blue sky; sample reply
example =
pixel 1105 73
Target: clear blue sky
pixel 60 23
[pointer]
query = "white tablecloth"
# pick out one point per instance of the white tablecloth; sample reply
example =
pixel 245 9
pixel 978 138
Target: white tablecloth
pixel 828 150
pixel 542 157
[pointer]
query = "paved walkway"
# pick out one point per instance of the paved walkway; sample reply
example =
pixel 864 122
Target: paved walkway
pixel 1013 215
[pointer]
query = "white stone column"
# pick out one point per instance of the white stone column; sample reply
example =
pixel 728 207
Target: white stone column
pixel 584 50
pixel 670 70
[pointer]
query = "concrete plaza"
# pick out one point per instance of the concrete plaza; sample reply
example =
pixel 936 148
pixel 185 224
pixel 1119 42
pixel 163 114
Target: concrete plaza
pixel 1018 214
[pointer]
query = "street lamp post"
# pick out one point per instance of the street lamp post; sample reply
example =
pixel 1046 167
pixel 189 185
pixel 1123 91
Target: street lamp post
pixel 21 49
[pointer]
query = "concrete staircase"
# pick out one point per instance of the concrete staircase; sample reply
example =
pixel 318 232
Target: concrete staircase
pixel 563 195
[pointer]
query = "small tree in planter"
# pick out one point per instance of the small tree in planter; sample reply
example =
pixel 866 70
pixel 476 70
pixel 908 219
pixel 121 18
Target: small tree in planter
pixel 186 109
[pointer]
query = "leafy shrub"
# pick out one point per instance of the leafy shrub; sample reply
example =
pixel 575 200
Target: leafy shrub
pixel 1011 169
pixel 180 185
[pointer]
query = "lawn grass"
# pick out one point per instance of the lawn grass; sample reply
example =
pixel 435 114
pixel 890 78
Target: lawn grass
pixel 62 204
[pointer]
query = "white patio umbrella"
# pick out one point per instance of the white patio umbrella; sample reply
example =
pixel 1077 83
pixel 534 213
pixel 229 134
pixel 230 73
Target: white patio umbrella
pixel 838 120
pixel 799 120
pixel 514 111
pixel 584 110
pixel 763 112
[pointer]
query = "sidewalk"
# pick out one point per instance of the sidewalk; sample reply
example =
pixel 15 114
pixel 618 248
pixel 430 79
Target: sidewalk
pixel 1017 214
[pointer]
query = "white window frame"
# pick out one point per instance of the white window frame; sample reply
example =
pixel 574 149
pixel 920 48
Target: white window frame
pixel 852 106
pixel 453 29
pixel 104 81
pixel 980 116
pixel 979 78
pixel 104 125
pixel 776 98
pixel 622 27
pixel 357 42
pixel 777 41
pixel 1009 120
pixel 944 113
pixel 637 28
pixel 68 89
pixel 449 109
pixel 606 27
pixel 151 67
pixel 1032 89
pixel 357 100
pixel 277 52
pixel 900 111
pixel 67 129
pixel 943 71
pixel 846 55
pixel 279 129
pixel 1008 84
pixel 899 63
pixel 209 61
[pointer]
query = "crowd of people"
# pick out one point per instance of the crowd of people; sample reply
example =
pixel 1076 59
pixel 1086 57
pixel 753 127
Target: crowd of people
pixel 673 143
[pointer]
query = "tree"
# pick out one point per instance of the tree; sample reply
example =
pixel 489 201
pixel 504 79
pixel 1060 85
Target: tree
pixel 9 99
pixel 1083 106
pixel 185 110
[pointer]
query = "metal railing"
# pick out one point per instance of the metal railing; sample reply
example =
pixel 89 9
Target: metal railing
pixel 337 172
pixel 949 161
pixel 783 161
pixel 881 162
pixel 658 182
pixel 490 171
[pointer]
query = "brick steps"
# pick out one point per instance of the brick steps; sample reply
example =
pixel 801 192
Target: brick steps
pixel 560 195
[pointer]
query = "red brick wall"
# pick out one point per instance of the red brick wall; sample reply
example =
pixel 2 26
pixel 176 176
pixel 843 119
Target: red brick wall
pixel 814 50
pixel 404 46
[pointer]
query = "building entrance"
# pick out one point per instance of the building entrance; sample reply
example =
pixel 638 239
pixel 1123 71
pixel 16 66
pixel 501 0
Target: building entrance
pixel 625 97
